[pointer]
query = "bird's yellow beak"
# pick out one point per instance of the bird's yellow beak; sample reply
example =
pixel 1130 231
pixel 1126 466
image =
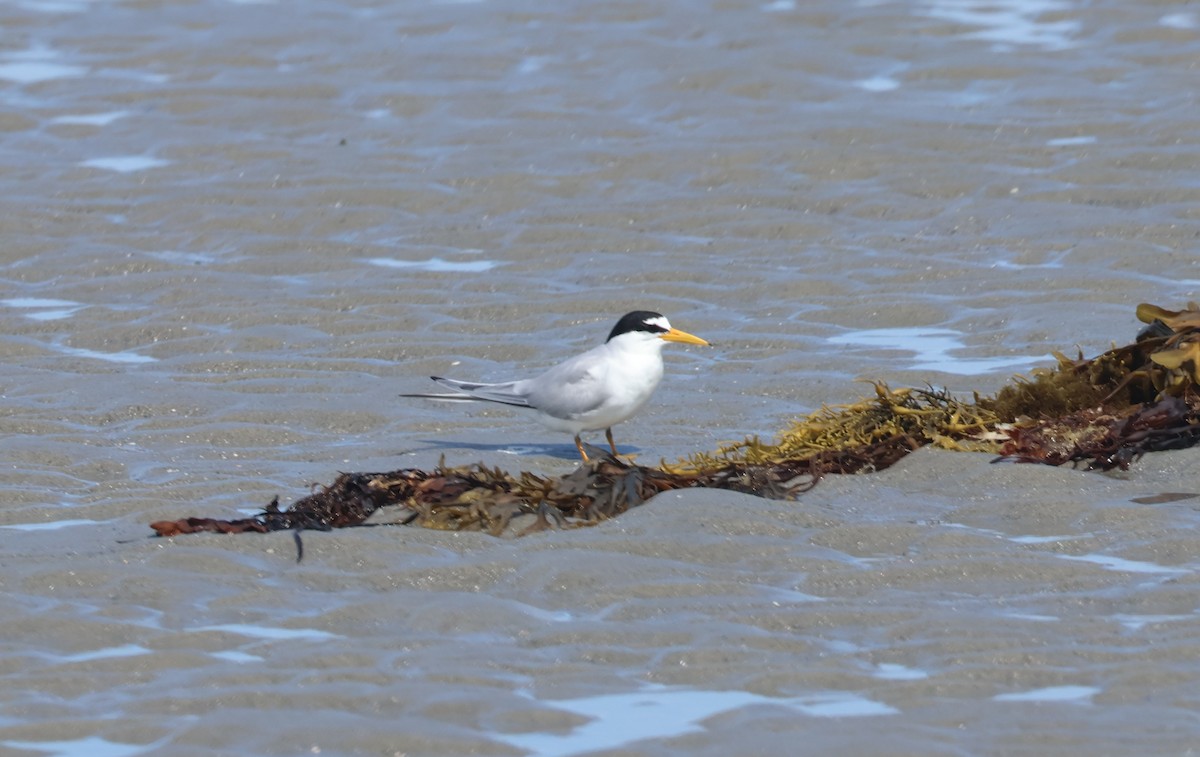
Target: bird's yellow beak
pixel 675 335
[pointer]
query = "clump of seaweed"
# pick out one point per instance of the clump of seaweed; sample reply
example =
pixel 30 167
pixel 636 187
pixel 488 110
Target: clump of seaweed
pixel 1102 413
pixel 465 498
pixel 871 434
pixel 1110 410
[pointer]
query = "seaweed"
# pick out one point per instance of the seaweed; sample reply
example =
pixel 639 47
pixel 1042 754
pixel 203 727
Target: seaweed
pixel 1103 441
pixel 1101 413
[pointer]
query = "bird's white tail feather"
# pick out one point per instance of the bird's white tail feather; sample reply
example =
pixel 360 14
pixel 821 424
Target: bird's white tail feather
pixel 473 392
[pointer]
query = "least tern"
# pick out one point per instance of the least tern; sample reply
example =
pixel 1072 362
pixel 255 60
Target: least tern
pixel 595 390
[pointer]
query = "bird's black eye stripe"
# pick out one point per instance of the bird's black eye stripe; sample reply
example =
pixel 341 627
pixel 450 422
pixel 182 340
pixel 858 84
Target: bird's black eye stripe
pixel 639 320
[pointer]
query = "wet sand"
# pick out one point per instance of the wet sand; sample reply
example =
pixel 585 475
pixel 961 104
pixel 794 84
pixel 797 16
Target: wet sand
pixel 947 605
pixel 236 232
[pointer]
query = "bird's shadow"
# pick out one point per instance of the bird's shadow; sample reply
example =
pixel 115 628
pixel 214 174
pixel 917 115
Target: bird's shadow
pixel 560 451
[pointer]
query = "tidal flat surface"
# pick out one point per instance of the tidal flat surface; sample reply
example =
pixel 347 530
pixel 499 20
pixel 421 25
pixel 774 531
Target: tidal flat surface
pixel 235 231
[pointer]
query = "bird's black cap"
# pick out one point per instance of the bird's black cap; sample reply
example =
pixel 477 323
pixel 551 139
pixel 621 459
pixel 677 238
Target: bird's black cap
pixel 638 320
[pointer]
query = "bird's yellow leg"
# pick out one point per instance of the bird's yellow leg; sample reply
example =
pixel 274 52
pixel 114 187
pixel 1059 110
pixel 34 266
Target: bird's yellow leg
pixel 579 446
pixel 611 444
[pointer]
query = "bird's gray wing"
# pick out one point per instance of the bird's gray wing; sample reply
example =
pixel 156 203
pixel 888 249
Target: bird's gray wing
pixel 569 389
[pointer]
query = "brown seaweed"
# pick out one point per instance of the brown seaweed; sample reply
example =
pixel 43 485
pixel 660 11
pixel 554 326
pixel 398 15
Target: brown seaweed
pixel 488 499
pixel 1103 441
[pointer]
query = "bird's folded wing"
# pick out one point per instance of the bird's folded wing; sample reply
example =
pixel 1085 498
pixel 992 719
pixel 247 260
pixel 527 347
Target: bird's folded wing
pixel 567 391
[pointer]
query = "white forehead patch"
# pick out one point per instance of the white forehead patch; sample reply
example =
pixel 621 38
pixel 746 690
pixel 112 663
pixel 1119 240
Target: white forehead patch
pixel 660 321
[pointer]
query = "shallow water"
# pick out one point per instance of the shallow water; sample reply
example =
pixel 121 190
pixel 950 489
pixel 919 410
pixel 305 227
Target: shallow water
pixel 237 231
